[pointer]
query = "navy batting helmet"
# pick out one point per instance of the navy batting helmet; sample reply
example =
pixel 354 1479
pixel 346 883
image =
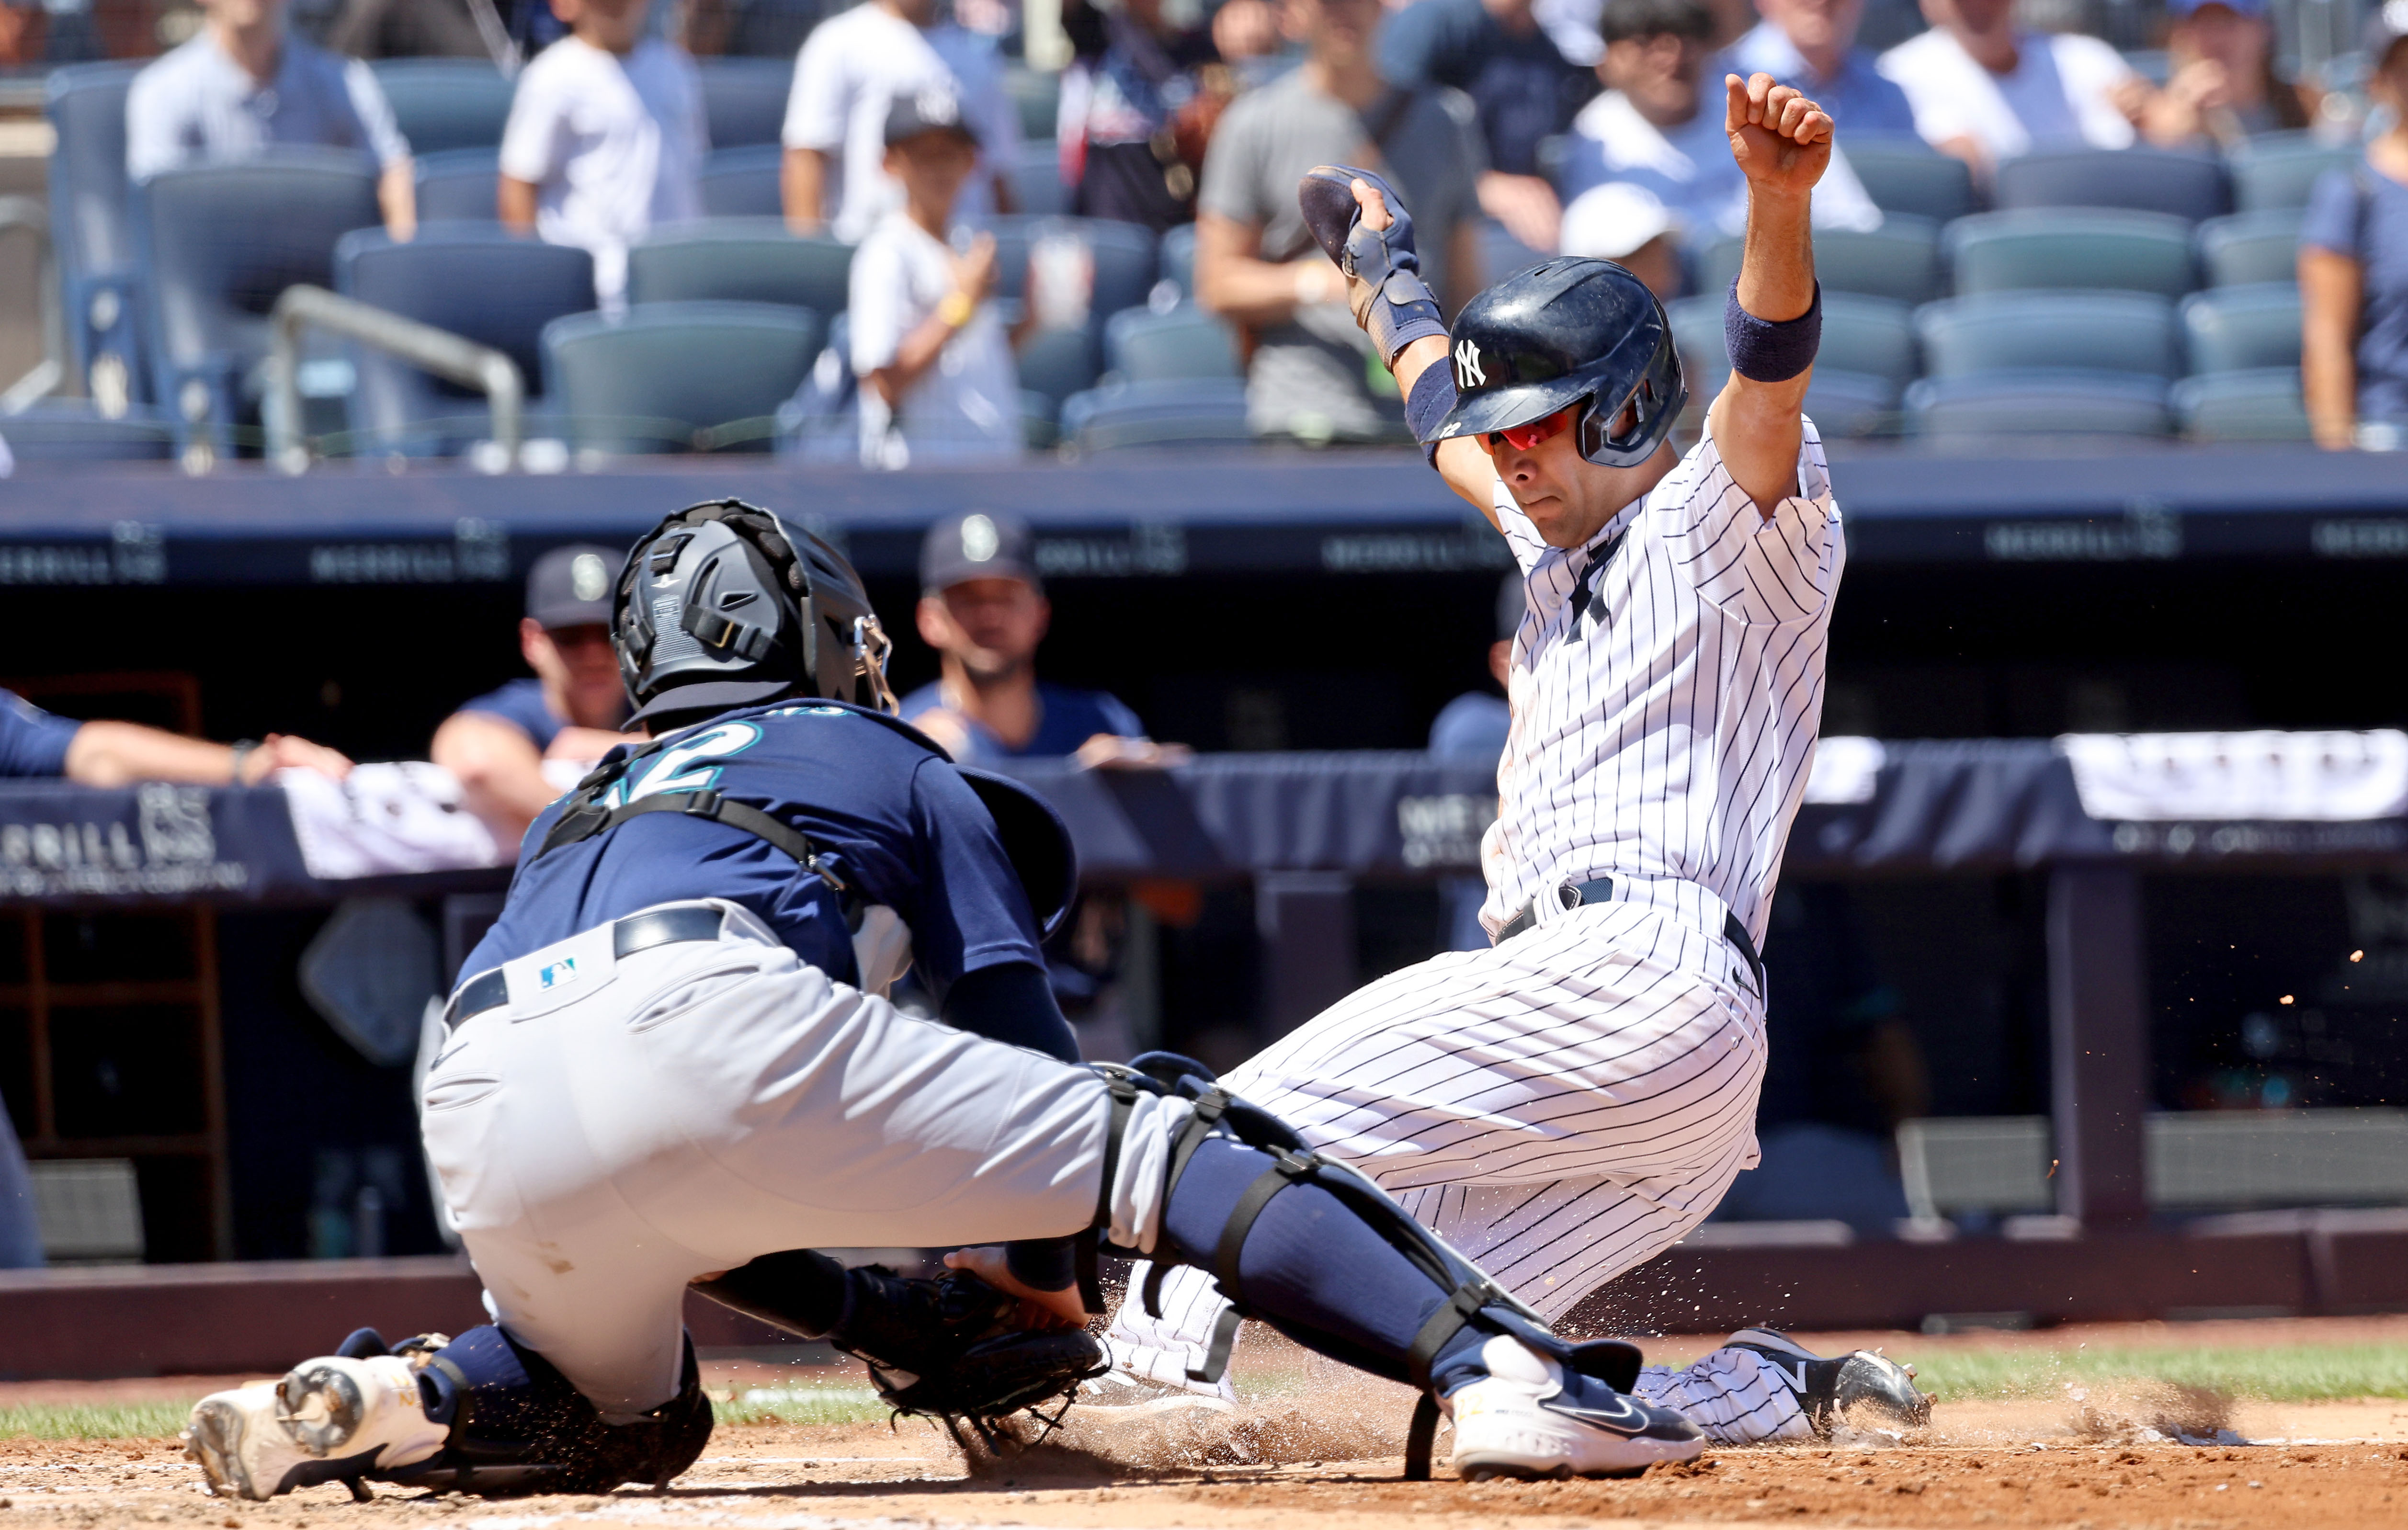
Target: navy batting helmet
pixel 1568 331
pixel 728 604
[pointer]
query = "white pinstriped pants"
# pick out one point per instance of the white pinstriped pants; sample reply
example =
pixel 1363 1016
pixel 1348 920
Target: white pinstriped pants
pixel 1560 1107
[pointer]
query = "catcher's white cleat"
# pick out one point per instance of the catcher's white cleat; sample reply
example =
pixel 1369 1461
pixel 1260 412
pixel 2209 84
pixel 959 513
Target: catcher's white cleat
pixel 1527 1418
pixel 328 1420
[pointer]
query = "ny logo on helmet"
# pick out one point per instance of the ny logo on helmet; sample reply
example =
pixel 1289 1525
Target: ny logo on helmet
pixel 1468 372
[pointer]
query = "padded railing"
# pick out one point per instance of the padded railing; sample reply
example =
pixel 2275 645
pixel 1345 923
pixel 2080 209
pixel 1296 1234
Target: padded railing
pixel 437 351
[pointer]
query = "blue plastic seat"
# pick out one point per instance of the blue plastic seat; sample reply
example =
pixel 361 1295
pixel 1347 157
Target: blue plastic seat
pixel 2255 406
pixel 91 225
pixel 745 260
pixel 445 104
pixel 1185 412
pixel 2021 405
pixel 1903 174
pixel 1847 404
pixel 220 243
pixel 2066 248
pixel 2279 169
pixel 1899 260
pixel 2187 185
pixel 460 186
pixel 677 376
pixel 1177 259
pixel 2243 329
pixel 1867 337
pixel 744 100
pixel 742 182
pixel 475 281
pixel 2099 331
pixel 1057 362
pixel 1142 346
pixel 2262 246
pixel 1036 180
pixel 1036 94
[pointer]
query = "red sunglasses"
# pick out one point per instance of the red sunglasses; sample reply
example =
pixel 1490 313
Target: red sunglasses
pixel 1523 438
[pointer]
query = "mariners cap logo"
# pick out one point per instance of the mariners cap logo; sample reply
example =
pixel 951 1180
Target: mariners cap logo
pixel 1468 370
pixel 588 579
pixel 980 543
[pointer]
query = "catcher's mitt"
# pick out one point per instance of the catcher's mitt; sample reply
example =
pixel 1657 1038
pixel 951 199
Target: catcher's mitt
pixel 948 1347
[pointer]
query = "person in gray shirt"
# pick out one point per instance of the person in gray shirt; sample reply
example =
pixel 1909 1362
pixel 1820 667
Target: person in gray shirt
pixel 1311 374
pixel 243 83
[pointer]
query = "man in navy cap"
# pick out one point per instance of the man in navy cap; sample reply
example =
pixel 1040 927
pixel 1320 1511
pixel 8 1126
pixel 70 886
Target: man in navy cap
pixel 983 611
pixel 519 746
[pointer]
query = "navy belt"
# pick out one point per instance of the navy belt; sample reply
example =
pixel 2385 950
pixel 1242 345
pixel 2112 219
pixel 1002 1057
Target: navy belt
pixel 1578 895
pixel 628 935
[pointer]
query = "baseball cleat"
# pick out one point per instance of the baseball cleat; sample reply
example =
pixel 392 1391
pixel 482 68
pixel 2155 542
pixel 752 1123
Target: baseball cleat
pixel 1126 1394
pixel 1865 1383
pixel 328 1420
pixel 1521 1420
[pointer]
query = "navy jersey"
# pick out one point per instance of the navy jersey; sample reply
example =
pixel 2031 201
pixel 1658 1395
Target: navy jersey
pixel 520 704
pixel 32 741
pixel 1066 718
pixel 884 807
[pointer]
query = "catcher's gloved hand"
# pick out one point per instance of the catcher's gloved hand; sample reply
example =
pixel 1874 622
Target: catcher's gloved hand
pixel 949 1346
pixel 1383 281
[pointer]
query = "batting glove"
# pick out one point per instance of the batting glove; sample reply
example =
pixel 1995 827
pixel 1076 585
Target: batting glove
pixel 1383 281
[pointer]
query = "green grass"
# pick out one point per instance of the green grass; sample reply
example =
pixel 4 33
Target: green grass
pixel 153 1420
pixel 803 1404
pixel 2285 1373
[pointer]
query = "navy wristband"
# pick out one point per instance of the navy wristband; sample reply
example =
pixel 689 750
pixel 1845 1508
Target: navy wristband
pixel 1432 400
pixel 1770 351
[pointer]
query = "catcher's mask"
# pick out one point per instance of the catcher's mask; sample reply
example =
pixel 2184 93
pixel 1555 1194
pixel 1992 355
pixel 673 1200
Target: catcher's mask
pixel 728 604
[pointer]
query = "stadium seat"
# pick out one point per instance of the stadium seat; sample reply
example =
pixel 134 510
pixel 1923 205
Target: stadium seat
pixel 1141 414
pixel 1036 180
pixel 2059 248
pixel 1177 259
pixel 445 104
pixel 742 182
pixel 475 281
pixel 2258 405
pixel 70 432
pixel 2248 247
pixel 2036 403
pixel 2279 169
pixel 1142 346
pixel 1057 362
pixel 1039 424
pixel 1899 260
pixel 744 260
pixel 744 100
pixel 1842 403
pixel 2243 329
pixel 674 377
pixel 1038 94
pixel 460 186
pixel 89 224
pixel 1903 174
pixel 2188 186
pixel 2106 332
pixel 1868 337
pixel 219 244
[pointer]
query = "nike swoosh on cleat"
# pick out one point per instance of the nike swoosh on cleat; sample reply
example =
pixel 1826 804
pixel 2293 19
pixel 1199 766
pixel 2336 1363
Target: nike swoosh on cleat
pixel 1621 1416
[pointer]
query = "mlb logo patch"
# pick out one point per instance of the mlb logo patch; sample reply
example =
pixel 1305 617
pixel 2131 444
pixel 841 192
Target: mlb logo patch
pixel 559 974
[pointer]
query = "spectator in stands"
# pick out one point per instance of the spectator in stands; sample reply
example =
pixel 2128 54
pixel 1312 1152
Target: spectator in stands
pixel 1257 264
pixel 1984 89
pixel 852 69
pixel 606 138
pixel 2353 271
pixel 1659 128
pixel 934 359
pixel 1625 223
pixel 1521 85
pixel 402 29
pixel 1811 46
pixel 1139 104
pixel 983 611
pixel 1471 730
pixel 2223 86
pixel 33 743
pixel 244 82
pixel 516 747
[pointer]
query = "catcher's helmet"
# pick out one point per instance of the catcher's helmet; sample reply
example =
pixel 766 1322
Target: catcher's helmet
pixel 1560 333
pixel 728 604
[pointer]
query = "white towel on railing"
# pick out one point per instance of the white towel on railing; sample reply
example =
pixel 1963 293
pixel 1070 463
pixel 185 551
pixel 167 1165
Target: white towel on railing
pixel 2323 777
pixel 384 819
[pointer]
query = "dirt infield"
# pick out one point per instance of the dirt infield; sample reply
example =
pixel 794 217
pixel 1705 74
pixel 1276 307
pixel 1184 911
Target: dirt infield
pixel 1322 1447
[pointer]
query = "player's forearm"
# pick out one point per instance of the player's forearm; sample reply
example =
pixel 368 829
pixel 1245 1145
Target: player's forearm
pixel 500 774
pixel 1776 274
pixel 514 203
pixel 397 198
pixel 2331 289
pixel 802 177
pixel 109 754
pixel 1259 291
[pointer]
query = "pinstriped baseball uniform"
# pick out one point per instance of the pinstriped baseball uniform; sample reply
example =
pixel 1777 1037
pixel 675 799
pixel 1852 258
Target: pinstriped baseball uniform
pixel 1571 1102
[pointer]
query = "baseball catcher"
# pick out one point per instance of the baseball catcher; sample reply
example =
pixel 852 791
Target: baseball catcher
pixel 672 1064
